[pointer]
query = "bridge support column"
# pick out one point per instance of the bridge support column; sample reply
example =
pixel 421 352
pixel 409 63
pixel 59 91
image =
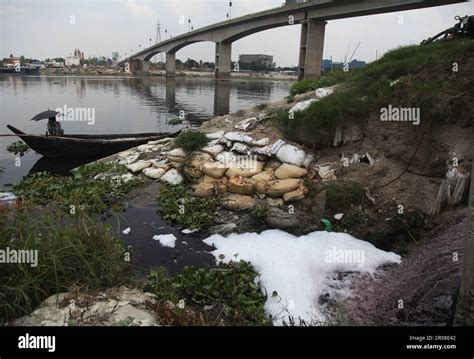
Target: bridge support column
pixel 311 49
pixel 170 66
pixel 223 60
pixel 146 65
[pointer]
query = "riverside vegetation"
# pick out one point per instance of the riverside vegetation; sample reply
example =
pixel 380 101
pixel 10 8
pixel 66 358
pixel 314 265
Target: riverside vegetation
pixel 226 294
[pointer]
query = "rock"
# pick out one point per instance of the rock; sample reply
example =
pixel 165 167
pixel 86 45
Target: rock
pixel 240 185
pixel 223 229
pixel 238 202
pixel 280 218
pixel 291 154
pixel 274 202
pixel 246 167
pixel 338 216
pixel 213 150
pixel 214 169
pixel 296 195
pixel 280 187
pixel 286 171
pixel 138 166
pixel 172 177
pixel 154 173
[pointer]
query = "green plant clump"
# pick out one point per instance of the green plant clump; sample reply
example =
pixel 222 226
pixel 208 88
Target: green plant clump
pixel 341 195
pixel 191 141
pixel 18 147
pixel 81 190
pixel 78 250
pixel 231 287
pixel 178 206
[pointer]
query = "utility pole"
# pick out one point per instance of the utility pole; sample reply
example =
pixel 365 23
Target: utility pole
pixel 160 57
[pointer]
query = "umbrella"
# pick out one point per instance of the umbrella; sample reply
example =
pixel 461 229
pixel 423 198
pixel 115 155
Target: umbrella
pixel 44 115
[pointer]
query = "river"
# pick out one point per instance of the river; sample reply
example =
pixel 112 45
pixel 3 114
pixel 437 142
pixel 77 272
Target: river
pixel 119 104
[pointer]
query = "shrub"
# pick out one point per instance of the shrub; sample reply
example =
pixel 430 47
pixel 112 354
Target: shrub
pixel 191 141
pixel 341 195
pixel 73 250
pixel 231 287
pixel 178 206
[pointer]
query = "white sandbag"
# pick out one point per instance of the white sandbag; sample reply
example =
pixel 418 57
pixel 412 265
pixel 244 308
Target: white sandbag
pixel 324 92
pixel 240 148
pixel 138 166
pixel 291 154
pixel 215 135
pixel 241 137
pixel 247 123
pixel 269 150
pixel 301 106
pixel 172 177
pixel 213 150
pixel 128 159
pixel 154 173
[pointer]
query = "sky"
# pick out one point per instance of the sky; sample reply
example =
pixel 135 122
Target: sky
pixel 54 28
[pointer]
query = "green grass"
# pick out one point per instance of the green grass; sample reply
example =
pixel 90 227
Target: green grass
pixel 425 80
pixel 80 190
pixel 191 141
pixel 341 195
pixel 178 206
pixel 72 250
pixel 231 288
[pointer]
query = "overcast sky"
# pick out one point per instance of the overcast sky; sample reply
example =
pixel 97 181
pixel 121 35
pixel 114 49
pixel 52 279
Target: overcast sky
pixel 43 28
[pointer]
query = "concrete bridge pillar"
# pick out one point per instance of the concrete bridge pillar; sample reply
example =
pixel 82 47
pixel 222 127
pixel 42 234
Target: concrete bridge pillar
pixel 223 60
pixel 311 49
pixel 146 65
pixel 170 66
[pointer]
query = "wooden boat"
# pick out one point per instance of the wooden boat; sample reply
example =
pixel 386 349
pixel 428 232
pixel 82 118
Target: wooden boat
pixel 73 146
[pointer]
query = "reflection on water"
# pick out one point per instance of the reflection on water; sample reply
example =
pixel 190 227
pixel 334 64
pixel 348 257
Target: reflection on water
pixel 122 105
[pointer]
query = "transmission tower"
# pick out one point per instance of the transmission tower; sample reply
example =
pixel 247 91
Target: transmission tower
pixel 160 57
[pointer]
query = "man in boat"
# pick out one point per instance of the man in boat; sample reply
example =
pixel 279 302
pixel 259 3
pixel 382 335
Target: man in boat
pixel 54 127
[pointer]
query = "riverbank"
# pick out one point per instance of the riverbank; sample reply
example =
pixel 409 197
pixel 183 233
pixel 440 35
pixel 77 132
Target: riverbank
pixel 105 71
pixel 302 184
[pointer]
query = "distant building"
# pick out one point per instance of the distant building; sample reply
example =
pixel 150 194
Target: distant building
pixel 329 65
pixel 78 53
pixel 73 61
pixel 14 60
pixel 256 62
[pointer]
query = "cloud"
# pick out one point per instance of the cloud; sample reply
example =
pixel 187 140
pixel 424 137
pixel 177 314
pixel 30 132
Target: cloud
pixel 139 9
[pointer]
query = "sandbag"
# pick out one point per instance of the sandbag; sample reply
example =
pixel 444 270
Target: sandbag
pixel 286 171
pixel 238 202
pixel 239 185
pixel 214 169
pixel 291 154
pixel 280 187
pixel 154 173
pixel 172 177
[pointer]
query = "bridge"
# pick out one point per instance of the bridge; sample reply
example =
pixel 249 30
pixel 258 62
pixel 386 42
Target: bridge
pixel 311 15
